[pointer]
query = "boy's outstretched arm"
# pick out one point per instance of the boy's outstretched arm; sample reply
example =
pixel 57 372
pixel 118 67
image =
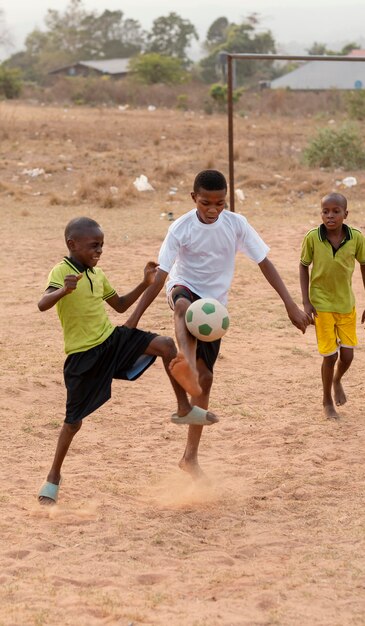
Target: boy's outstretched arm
pixel 299 318
pixel 122 303
pixel 149 295
pixel 52 295
pixel 304 286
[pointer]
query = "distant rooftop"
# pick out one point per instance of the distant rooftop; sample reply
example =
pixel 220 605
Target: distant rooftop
pixel 357 53
pixel 317 75
pixel 108 66
pixel 104 66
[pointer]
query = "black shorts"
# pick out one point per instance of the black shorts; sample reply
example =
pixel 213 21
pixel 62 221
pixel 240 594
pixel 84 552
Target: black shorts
pixel 206 350
pixel 88 375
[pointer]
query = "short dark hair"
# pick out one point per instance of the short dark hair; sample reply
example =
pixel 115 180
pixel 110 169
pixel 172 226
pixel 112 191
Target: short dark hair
pixel 337 197
pixel 211 180
pixel 77 227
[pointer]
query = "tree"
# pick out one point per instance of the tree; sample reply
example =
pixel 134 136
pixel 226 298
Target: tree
pixel 76 35
pixel 216 34
pixel 321 49
pixel 317 49
pixel 241 38
pixel 108 36
pixel 349 47
pixel 153 68
pixel 171 36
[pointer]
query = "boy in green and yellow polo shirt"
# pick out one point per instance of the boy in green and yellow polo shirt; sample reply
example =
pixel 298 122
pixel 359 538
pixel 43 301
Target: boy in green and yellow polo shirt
pixel 97 350
pixel 327 295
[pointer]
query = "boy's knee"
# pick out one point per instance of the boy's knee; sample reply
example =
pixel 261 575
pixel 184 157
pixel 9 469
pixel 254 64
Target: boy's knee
pixel 330 359
pixel 73 428
pixel 168 347
pixel 180 307
pixel 346 356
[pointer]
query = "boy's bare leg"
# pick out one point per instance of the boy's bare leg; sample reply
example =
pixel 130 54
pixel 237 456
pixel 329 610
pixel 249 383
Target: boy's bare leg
pixel 68 431
pixel 189 461
pixel 327 371
pixel 183 367
pixel 343 364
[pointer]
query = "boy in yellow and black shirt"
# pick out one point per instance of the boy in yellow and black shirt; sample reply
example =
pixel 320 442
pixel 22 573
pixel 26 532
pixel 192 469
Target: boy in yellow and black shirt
pixel 328 298
pixel 97 350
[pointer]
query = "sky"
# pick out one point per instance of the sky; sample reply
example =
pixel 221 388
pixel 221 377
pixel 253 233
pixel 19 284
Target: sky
pixel 295 24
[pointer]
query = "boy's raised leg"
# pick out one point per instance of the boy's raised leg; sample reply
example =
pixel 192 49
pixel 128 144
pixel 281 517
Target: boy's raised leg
pixel 166 349
pixel 183 373
pixel 183 368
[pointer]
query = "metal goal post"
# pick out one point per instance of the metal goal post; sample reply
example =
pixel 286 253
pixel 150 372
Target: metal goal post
pixel 229 59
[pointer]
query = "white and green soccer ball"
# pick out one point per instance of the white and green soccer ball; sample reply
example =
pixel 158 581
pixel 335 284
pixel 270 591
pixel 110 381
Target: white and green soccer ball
pixel 207 319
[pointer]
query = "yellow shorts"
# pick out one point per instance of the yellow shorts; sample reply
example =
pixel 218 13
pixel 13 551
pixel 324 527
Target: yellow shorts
pixel 334 331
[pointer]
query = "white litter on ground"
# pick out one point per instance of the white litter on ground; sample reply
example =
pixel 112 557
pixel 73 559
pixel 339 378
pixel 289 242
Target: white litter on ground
pixel 141 183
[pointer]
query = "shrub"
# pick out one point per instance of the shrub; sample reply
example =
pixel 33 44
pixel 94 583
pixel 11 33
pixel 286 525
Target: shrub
pixel 336 148
pixel 10 82
pixel 156 68
pixel 182 102
pixel 355 105
pixel 219 93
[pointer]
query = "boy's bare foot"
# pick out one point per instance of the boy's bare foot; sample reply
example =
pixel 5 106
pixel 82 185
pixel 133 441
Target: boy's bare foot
pixel 193 468
pixel 184 375
pixel 46 501
pixel 340 396
pixel 330 412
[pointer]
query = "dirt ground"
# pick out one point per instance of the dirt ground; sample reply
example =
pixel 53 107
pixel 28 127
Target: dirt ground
pixel 278 537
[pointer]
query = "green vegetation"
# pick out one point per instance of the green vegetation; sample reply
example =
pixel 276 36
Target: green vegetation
pixel 171 36
pixel 320 49
pixel 78 35
pixel 336 148
pixel 355 104
pixel 219 93
pixel 157 56
pixel 242 38
pixel 10 82
pixel 156 68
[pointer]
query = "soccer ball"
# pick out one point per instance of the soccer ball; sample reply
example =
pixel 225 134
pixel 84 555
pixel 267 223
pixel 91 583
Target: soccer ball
pixel 207 319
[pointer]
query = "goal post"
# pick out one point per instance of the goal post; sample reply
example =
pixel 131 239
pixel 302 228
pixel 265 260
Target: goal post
pixel 230 58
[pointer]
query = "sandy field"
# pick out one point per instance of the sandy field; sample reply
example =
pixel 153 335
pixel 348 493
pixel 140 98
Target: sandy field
pixel 278 536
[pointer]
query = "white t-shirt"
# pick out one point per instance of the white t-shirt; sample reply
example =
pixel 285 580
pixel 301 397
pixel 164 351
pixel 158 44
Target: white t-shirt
pixel 202 256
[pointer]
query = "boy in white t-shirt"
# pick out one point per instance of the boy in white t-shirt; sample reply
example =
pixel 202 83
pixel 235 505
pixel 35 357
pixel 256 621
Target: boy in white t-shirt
pixel 197 257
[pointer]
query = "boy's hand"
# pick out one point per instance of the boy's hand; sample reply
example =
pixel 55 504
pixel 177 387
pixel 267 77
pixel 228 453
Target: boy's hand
pixel 299 318
pixel 150 272
pixel 311 311
pixel 71 281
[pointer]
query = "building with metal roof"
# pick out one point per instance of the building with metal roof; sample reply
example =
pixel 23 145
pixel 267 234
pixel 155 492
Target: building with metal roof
pixel 117 68
pixel 317 75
